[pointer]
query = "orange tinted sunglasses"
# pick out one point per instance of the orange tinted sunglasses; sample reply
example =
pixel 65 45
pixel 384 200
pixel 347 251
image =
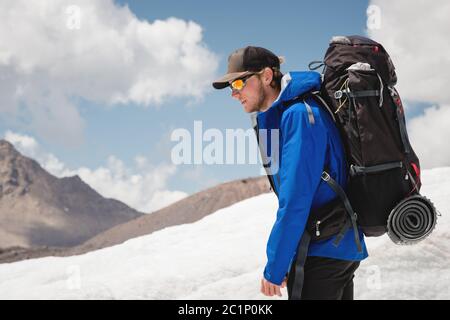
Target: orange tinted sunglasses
pixel 239 84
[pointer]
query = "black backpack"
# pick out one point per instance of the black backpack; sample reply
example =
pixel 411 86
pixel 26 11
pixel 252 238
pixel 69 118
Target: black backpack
pixel 358 91
pixel 384 172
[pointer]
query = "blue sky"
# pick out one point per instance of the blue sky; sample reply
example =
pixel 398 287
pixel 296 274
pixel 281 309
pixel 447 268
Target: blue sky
pixel 297 30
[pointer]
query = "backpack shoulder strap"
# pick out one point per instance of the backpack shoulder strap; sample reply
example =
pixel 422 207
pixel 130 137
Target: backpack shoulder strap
pixel 302 99
pixel 317 97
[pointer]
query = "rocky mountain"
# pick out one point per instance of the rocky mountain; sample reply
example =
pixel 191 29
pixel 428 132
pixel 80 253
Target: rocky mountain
pixel 38 209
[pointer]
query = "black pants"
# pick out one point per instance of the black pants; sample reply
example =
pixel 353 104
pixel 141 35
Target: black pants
pixel 325 279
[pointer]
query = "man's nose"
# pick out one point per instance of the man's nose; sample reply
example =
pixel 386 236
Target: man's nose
pixel 235 94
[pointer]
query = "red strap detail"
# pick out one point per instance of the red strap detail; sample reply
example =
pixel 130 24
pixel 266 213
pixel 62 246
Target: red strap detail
pixel 416 170
pixel 399 104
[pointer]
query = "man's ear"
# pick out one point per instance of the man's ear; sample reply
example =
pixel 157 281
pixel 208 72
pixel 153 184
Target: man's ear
pixel 268 76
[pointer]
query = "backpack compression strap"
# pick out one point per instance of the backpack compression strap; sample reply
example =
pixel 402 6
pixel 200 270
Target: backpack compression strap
pixel 352 215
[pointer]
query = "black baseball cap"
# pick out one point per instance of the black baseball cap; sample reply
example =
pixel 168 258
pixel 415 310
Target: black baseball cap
pixel 246 61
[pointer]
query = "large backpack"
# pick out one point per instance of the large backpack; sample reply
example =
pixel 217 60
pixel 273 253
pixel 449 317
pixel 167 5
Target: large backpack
pixel 358 91
pixel 384 172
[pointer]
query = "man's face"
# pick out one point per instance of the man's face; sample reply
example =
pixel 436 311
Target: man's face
pixel 252 95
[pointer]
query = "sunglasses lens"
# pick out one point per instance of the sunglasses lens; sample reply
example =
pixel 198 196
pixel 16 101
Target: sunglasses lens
pixel 237 84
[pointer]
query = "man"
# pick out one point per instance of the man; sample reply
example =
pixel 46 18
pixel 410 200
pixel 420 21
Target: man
pixel 308 143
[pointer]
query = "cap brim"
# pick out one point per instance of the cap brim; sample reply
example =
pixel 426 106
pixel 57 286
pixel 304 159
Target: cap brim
pixel 225 80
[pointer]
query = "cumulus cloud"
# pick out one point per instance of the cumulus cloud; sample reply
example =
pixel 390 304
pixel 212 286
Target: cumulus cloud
pixel 429 132
pixel 142 186
pixel 52 53
pixel 416 36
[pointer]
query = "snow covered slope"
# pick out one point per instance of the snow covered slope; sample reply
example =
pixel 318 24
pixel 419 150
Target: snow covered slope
pixel 222 256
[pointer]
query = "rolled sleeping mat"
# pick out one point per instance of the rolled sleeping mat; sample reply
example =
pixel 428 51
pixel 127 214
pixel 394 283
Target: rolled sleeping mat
pixel 412 220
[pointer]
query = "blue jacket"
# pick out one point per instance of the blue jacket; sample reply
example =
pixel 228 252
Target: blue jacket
pixel 305 147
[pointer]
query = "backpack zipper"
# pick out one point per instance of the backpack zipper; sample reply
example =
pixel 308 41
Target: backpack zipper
pixel 318 222
pixel 317 228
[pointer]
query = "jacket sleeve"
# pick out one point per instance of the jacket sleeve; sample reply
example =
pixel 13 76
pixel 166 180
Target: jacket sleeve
pixel 303 154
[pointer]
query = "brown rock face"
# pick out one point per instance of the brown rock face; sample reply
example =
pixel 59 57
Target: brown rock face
pixel 38 209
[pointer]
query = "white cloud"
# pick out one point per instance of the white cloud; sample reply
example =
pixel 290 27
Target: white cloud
pixel 416 36
pixel 114 57
pixel 143 186
pixel 430 133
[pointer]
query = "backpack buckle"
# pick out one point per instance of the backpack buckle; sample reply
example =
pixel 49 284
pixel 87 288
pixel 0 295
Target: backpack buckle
pixel 325 176
pixel 338 95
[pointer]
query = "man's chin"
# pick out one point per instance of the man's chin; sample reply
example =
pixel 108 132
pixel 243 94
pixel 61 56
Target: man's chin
pixel 248 108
